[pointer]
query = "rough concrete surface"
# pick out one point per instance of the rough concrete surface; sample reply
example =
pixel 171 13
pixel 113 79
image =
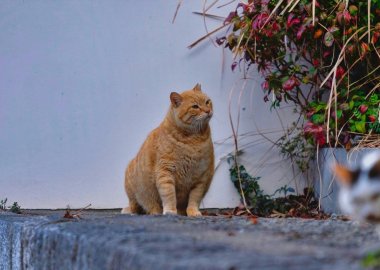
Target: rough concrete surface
pixel 108 240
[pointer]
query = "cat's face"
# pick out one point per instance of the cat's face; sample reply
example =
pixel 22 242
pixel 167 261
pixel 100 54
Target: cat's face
pixel 360 189
pixel 192 109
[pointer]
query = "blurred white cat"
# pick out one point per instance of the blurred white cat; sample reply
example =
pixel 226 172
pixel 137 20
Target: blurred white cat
pixel 359 195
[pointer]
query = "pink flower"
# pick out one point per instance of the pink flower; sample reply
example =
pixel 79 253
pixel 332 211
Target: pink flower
pixel 343 17
pixel 292 21
pixel 363 108
pixel 311 128
pixel 300 31
pixel 346 16
pixel 316 131
pixel 290 83
pixel 326 53
pixel 265 85
pixel 259 21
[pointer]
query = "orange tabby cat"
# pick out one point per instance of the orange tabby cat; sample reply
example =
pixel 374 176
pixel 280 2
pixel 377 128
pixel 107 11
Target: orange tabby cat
pixel 174 167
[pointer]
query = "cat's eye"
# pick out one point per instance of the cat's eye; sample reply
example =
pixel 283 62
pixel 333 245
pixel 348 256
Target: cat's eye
pixel 208 102
pixel 195 106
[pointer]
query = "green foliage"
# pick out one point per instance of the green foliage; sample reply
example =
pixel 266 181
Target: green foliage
pixel 3 204
pixel 15 208
pixel 284 189
pixel 356 112
pixel 301 205
pixel 295 55
pixel 294 146
pixel 260 204
pixel 372 260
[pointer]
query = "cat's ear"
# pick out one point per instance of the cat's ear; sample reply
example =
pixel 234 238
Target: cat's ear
pixel 344 175
pixel 197 87
pixel 176 99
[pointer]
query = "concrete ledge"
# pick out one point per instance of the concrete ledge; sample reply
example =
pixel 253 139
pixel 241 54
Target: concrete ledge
pixel 107 240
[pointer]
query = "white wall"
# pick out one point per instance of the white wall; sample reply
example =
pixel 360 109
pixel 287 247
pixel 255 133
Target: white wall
pixel 83 82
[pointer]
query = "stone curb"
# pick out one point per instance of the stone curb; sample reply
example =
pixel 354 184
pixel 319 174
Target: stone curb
pixel 112 241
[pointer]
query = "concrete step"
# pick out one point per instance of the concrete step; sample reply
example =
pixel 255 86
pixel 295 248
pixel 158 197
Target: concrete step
pixel 108 240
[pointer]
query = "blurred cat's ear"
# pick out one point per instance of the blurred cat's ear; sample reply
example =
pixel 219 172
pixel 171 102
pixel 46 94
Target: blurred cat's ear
pixel 197 87
pixel 344 175
pixel 175 99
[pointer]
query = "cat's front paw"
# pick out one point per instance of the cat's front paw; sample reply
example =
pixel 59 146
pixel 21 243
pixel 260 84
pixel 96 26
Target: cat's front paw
pixel 170 212
pixel 193 212
pixel 126 210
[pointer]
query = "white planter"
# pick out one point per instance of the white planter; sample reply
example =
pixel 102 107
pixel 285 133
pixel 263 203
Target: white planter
pixel 325 183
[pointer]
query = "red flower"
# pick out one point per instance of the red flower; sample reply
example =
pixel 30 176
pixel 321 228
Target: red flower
pixel 316 131
pixel 320 138
pixel 260 21
pixel 311 128
pixel 292 21
pixel 346 16
pixel 290 83
pixel 300 31
pixel 350 49
pixel 340 72
pixel 364 48
pixel 363 108
pixel 375 37
pixel 275 27
pixel 343 17
pixel 372 118
pixel 315 62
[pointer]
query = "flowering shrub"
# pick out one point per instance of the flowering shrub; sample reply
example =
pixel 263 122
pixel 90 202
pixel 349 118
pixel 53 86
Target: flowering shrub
pixel 328 65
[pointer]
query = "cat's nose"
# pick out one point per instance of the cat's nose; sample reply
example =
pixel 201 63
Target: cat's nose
pixel 207 110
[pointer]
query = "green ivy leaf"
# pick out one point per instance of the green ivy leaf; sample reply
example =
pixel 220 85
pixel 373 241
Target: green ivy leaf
pixel 318 118
pixel 372 259
pixel 319 107
pixel 373 99
pixel 360 127
pixel 284 79
pixel 351 104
